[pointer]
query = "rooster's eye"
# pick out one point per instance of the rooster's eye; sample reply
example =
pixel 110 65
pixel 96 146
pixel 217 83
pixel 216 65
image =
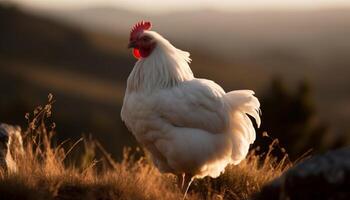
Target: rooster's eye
pixel 145 38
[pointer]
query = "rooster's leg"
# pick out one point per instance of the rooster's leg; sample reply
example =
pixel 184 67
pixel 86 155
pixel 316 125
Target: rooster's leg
pixel 187 182
pixel 181 180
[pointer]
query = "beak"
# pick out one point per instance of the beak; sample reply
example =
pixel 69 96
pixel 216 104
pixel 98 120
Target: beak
pixel 132 44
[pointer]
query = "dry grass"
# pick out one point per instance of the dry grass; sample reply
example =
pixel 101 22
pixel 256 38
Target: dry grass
pixel 48 171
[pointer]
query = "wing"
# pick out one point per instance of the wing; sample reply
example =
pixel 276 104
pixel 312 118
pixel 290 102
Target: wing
pixel 194 104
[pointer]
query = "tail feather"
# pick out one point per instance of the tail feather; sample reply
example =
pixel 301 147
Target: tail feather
pixel 246 102
pixel 241 103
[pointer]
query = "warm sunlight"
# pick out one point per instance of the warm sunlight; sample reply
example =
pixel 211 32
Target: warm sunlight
pixel 164 6
pixel 170 100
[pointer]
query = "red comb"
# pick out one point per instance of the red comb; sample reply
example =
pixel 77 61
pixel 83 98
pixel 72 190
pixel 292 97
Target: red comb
pixel 138 28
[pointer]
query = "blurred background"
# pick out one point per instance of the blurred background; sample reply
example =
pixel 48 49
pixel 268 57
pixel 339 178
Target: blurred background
pixel 294 54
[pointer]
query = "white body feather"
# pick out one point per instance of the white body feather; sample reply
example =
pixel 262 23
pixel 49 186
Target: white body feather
pixel 188 125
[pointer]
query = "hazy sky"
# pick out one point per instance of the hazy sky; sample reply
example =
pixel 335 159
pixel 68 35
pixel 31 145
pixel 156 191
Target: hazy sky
pixel 163 5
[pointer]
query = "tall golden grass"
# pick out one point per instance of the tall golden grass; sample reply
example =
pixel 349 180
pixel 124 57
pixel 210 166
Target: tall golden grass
pixel 49 171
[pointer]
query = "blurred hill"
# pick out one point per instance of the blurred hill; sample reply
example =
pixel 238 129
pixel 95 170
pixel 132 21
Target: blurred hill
pixel 228 34
pixel 39 56
pixel 80 56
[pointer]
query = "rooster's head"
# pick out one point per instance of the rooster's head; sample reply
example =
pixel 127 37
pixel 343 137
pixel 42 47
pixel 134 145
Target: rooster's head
pixel 141 42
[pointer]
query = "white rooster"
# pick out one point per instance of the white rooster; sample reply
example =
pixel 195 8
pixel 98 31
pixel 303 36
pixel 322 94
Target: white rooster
pixel 190 126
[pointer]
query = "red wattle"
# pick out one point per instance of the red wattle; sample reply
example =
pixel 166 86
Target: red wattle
pixel 136 53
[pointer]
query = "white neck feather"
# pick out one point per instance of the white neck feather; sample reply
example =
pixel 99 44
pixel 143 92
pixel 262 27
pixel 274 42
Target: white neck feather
pixel 165 67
